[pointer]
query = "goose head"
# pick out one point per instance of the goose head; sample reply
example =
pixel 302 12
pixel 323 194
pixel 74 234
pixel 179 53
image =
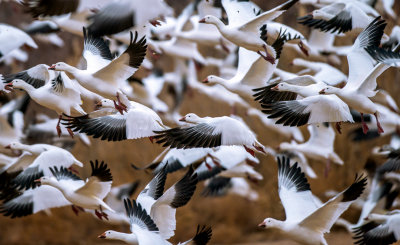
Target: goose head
pixel 269 223
pixel 59 66
pixel 106 103
pixel 212 79
pixel 210 19
pixel 190 118
pixel 15 146
pixel 281 87
pixel 108 235
pixel 329 90
pixel 47 180
pixel 18 83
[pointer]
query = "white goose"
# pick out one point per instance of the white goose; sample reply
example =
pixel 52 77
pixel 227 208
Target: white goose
pixel 306 222
pixel 18 37
pixel 361 83
pixel 61 95
pixel 138 122
pixel 81 194
pixel 209 132
pixel 220 186
pixel 103 75
pixel 318 147
pixel 244 31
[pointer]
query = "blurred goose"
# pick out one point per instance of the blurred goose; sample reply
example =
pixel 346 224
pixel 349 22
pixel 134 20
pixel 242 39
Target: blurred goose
pixel 12 120
pixel 61 95
pixel 244 31
pixel 305 221
pixel 361 83
pixel 81 194
pixel 341 16
pixel 221 186
pixel 104 75
pixel 19 38
pixel 209 132
pixel 379 229
pixel 319 146
pixel 138 122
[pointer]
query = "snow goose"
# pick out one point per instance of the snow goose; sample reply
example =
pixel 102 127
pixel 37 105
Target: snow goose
pixel 380 229
pixel 118 16
pixel 45 31
pixel 144 230
pixel 323 72
pixel 221 186
pixel 31 201
pixel 162 206
pixel 139 122
pixel 341 16
pixel 305 221
pixel 244 31
pixel 361 83
pixel 103 75
pixel 81 194
pixel 54 157
pixel 209 132
pixel 61 95
pixel 318 147
pixel 202 237
pixel 12 120
pixel 252 70
pixel 19 38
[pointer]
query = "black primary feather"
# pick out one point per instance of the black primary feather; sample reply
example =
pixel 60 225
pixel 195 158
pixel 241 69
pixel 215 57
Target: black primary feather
pixel 203 235
pixel 136 50
pixel 184 188
pixel 290 113
pixel 96 45
pixel 27 178
pixel 218 186
pixel 127 190
pixel 101 171
pixel 265 95
pixel 355 190
pixel 293 174
pixel 23 75
pixel 63 173
pixel 138 215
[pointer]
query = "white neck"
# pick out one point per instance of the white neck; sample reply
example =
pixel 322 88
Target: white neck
pixel 128 238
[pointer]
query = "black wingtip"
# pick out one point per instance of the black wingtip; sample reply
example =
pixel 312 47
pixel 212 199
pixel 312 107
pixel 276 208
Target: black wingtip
pixel 138 215
pixel 288 4
pixel 185 188
pixel 293 173
pixel 101 171
pixel 203 235
pixel 356 189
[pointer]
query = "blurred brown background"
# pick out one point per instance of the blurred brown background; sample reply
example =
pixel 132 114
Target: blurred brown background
pixel 233 219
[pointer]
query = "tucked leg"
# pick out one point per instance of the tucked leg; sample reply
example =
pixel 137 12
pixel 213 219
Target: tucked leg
pixel 364 125
pixel 378 124
pixel 58 125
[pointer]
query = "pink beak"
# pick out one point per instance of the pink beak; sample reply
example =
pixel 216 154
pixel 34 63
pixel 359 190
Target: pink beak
pixel 322 91
pixel 102 235
pixel 183 119
pixel 275 88
pixel 202 20
pixel 53 67
pixel 8 86
pixel 37 181
pixel 262 225
pixel 7 146
pixel 205 80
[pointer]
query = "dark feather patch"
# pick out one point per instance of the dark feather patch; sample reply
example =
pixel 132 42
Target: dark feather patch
pixel 27 177
pixel 136 50
pixel 185 188
pixel 355 190
pixel 113 18
pixel 290 113
pixel 63 173
pixel 101 171
pixel 6 179
pixel 265 95
pixel 96 45
pixel 203 235
pixel 341 23
pixel 292 174
pixel 206 174
pixel 288 4
pixel 15 209
pixel 106 128
pixel 156 185
pixel 372 34
pixel 358 134
pixel 138 215
pixel 218 186
pixel 383 55
pixel 50 7
pixel 127 190
pixel 373 233
pixel 200 135
pixel 58 83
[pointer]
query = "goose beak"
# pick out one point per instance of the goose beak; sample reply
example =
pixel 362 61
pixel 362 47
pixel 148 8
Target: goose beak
pixel 183 119
pixel 7 146
pixel 275 88
pixel 263 225
pixel 53 67
pixel 202 20
pixel 99 104
pixel 322 91
pixel 103 236
pixel 8 86
pixel 205 80
pixel 37 181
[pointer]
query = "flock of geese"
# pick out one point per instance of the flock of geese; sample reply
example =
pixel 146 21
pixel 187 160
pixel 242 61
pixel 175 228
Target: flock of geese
pixel 242 43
